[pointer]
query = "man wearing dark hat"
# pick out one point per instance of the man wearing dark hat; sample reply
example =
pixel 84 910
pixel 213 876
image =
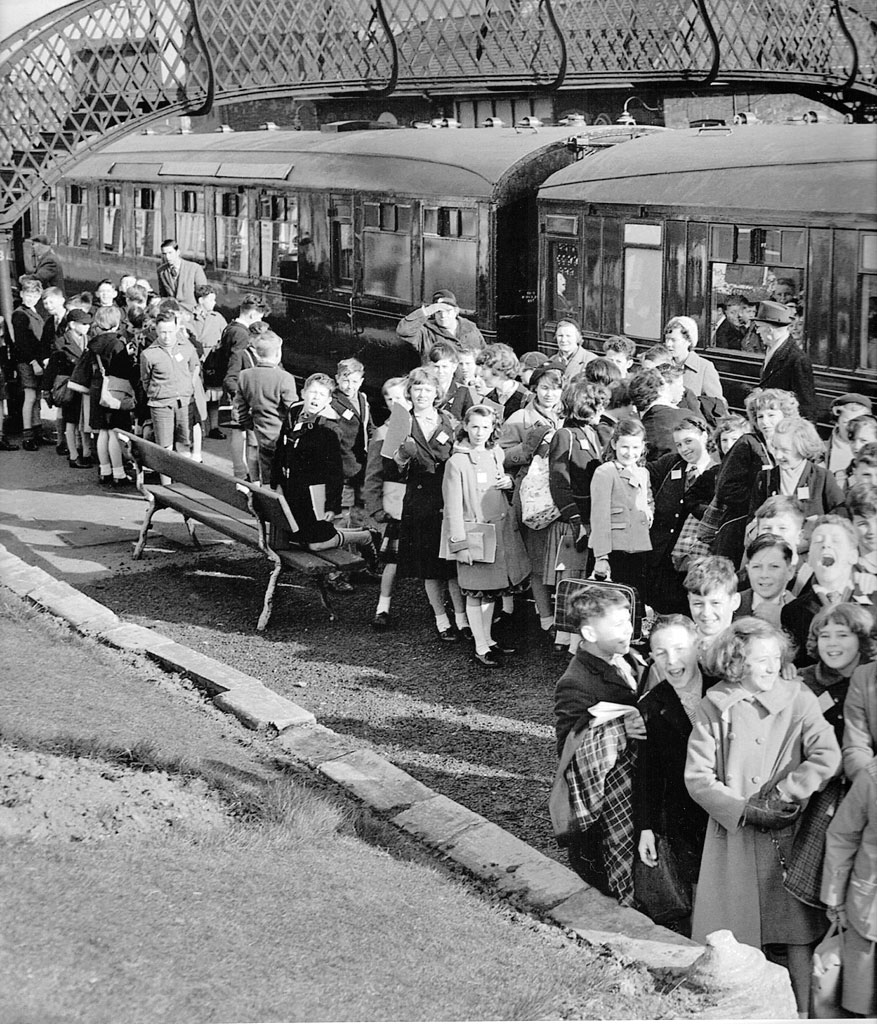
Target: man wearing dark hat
pixel 47 267
pixel 439 321
pixel 786 366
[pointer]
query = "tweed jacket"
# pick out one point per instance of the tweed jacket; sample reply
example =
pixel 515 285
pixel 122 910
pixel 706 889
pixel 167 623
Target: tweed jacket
pixel 701 377
pixel 49 271
pixel 574 365
pixel 860 720
pixel 851 854
pixel 789 369
pixel 181 286
pixel 617 523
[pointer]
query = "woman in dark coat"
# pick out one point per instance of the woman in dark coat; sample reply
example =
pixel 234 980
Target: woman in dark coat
pixel 683 484
pixel 741 466
pixel 661 804
pixel 422 457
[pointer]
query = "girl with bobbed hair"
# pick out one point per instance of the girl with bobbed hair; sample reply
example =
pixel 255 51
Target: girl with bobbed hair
pixel 498 367
pixel 573 455
pixel 740 467
pixel 759 749
pixel 796 447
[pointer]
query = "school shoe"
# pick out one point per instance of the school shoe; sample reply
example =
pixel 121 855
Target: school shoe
pixel 448 635
pixel 466 633
pixel 30 444
pixel 381 621
pixel 488 660
pixel 339 583
pixel 121 483
pixel 78 463
pixel 62 449
pixel 7 446
pixel 503 647
pixel 43 440
pixel 216 434
pixel 105 480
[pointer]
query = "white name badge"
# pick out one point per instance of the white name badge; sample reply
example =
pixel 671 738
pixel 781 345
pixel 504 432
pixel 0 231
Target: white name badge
pixel 481 478
pixel 803 494
pixel 675 474
pixel 767 467
pixel 826 701
pixel 583 444
pixel 296 427
pixel 178 356
pixel 442 437
pixel 347 415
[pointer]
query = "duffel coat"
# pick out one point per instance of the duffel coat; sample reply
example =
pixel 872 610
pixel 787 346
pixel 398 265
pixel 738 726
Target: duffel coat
pixel 471 496
pixel 739 744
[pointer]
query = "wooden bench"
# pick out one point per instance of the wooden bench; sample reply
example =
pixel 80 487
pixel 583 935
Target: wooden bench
pixel 253 515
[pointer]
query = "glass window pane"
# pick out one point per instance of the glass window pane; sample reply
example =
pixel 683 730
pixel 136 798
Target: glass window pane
pixel 450 263
pixel 868 331
pixel 387 265
pixel 562 225
pixel 388 217
pixel 792 248
pixel 278 237
pixel 744 245
pixel 342 252
pixel 869 252
pixel 430 221
pixel 642 234
pixel 147 221
pixel 722 239
pixel 735 291
pixel 403 219
pixel 189 223
pixel 642 293
pixel 468 223
pixel 110 220
pixel 565 286
pixel 371 215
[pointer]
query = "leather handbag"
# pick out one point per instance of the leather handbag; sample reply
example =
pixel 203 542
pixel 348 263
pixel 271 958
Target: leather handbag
pixel 825 980
pixel 662 891
pixel 61 391
pixel 115 392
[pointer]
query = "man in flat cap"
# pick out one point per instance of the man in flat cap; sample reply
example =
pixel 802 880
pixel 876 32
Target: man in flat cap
pixel 47 267
pixel 439 321
pixel 785 365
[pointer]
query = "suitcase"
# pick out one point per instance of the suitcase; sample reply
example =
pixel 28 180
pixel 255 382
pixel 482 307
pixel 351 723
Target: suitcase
pixel 565 619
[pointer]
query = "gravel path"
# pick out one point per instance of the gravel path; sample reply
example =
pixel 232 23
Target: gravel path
pixel 482 738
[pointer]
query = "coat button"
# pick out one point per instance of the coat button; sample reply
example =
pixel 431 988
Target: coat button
pixel 759 740
pixel 755 779
pixel 732 735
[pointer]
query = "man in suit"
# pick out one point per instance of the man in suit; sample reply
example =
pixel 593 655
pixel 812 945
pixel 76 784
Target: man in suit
pixel 178 278
pixel 47 267
pixel 785 365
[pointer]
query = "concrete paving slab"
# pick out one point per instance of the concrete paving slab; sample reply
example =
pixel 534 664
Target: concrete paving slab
pixel 260 708
pixel 438 820
pixel 375 780
pixel 316 745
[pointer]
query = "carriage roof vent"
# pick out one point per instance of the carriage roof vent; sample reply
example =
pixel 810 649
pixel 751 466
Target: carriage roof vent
pixel 529 122
pixel 493 122
pixel 445 122
pixel 268 126
pixel 223 129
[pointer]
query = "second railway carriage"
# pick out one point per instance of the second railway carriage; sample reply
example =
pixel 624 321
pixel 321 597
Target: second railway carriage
pixel 341 232
pixel 683 222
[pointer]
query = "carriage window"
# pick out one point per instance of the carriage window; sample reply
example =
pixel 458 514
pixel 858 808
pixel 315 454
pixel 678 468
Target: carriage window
pixel 77 215
pixel 643 280
pixel 449 222
pixel 868 306
pixel 47 213
pixel 189 222
pixel 555 225
pixel 386 250
pixel 565 285
pixel 757 246
pixel 232 232
pixel 342 245
pixel 147 221
pixel 737 288
pixel 278 236
pixel 110 218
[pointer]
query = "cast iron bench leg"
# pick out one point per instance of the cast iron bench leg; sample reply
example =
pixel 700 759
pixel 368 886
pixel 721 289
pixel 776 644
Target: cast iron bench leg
pixel 269 591
pixel 324 597
pixel 144 529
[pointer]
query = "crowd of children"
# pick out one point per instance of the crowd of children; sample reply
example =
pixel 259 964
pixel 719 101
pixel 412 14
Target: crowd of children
pixel 751 543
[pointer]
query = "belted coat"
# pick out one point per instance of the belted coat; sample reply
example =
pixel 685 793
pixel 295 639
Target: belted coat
pixel 738 745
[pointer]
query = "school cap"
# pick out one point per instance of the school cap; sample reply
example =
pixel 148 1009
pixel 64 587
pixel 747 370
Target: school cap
pixel 444 295
pixel 530 360
pixel 773 313
pixel 78 316
pixel 852 399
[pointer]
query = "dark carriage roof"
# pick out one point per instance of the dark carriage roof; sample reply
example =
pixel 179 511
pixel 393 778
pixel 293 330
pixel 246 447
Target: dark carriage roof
pixel 820 168
pixel 471 162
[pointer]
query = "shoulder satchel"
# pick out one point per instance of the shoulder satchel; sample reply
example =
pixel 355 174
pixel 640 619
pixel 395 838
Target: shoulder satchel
pixel 538 510
pixel 115 392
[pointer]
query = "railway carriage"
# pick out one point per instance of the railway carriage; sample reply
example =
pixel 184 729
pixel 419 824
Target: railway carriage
pixel 342 232
pixel 682 222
